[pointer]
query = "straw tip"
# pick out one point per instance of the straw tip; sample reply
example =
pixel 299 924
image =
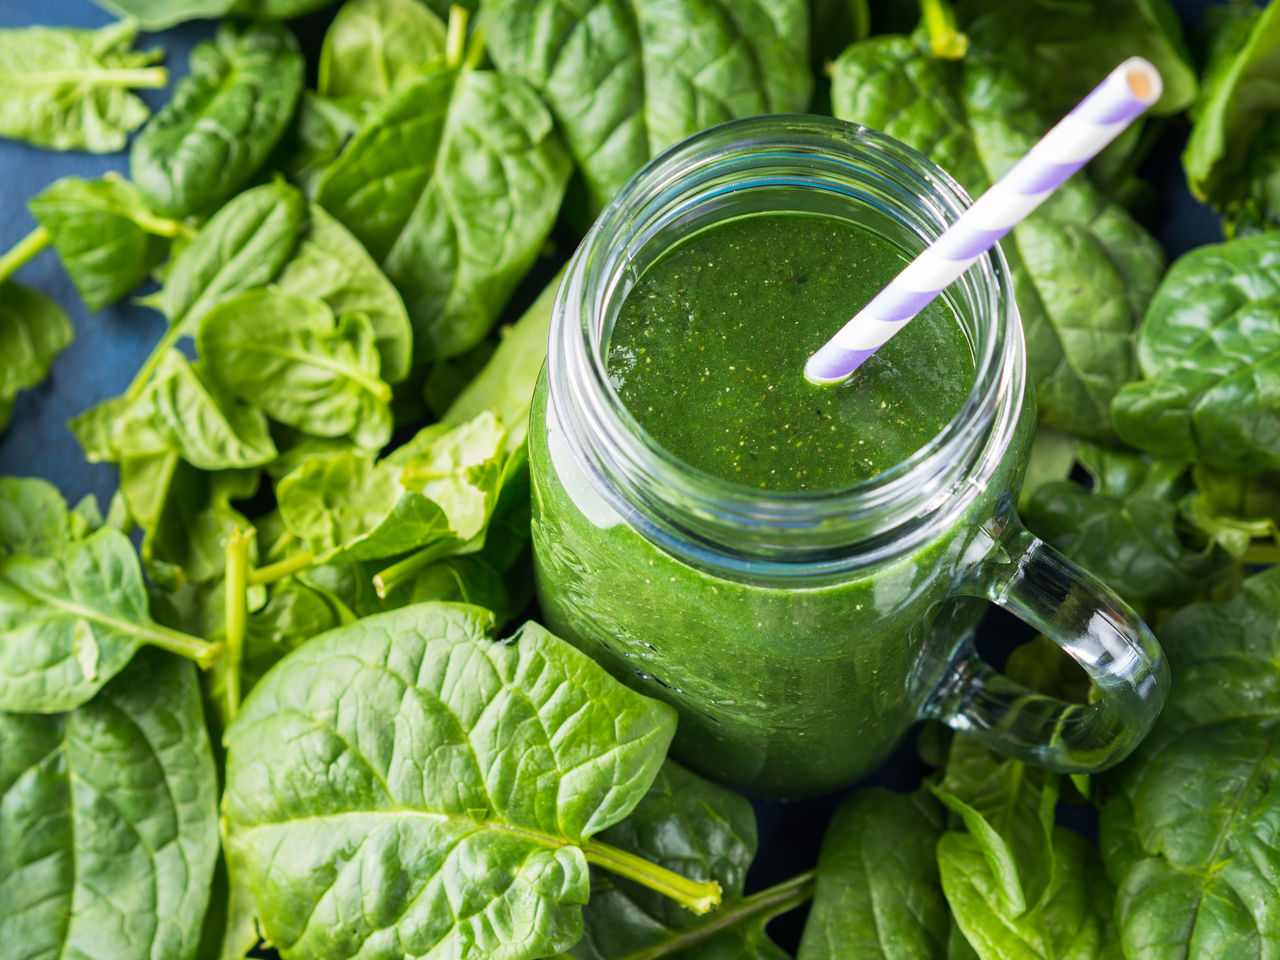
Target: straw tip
pixel 833 364
pixel 1143 78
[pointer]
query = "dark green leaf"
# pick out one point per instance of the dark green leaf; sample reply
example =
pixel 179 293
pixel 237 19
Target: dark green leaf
pixel 33 331
pixel 330 265
pixel 372 44
pixel 452 185
pixel 70 622
pixel 878 892
pixel 628 78
pixel 223 120
pixel 290 356
pixel 110 821
pixel 445 816
pixel 315 138
pixel 1209 348
pixel 1083 270
pixel 833 25
pixel 69 89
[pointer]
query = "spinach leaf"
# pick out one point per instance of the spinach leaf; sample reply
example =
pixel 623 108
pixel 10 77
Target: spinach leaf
pixel 329 264
pixel 162 14
pixel 437 492
pixel 1071 920
pixel 291 357
pixel 70 621
pixel 223 120
pixel 372 44
pixel 110 821
pixel 463 816
pixel 1127 530
pixel 1234 510
pixel 703 832
pixel 628 78
pixel 33 331
pixel 505 385
pixel 878 893
pixel 314 139
pixel 1209 348
pixel 1192 845
pixel 1228 149
pixel 452 184
pixel 34 519
pixel 69 89
pixel 1082 269
pixel 107 238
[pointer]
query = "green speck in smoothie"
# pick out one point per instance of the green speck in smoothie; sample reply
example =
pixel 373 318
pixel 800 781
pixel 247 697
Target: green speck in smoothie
pixel 709 349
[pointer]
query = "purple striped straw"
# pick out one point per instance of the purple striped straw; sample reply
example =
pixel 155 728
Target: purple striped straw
pixel 1080 136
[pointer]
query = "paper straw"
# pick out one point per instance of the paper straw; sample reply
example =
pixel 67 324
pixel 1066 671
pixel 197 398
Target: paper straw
pixel 1081 135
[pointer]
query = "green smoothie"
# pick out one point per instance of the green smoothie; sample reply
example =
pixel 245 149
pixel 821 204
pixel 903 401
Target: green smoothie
pixel 709 347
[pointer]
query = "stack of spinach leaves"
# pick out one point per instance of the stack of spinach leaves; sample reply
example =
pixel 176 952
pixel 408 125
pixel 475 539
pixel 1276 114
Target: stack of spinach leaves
pixel 259 701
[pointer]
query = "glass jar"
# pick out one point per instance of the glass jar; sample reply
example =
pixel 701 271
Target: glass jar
pixel 801 635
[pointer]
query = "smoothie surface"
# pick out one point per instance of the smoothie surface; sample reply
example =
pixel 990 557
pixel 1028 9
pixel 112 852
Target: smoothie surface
pixel 709 348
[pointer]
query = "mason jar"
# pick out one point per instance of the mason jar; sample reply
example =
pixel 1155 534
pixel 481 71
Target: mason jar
pixel 801 635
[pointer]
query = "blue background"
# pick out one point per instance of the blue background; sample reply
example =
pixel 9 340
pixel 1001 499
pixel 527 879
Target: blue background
pixel 112 344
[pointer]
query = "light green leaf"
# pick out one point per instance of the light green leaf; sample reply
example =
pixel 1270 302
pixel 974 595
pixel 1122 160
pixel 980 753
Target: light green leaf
pixel 110 821
pixel 33 517
pixel 373 44
pixel 33 331
pixel 69 89
pixel 473 845
pixel 89 593
pixel 452 185
pixel 290 356
pixel 330 265
pixel 224 119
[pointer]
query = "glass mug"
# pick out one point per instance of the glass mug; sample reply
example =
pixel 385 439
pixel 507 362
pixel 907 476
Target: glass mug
pixel 801 635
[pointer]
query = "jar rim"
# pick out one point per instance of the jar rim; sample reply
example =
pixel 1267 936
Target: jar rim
pixel 718 522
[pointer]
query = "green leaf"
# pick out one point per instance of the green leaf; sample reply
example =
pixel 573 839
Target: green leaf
pixel 34 519
pixel 70 622
pixel 313 140
pixel 162 14
pixel 69 89
pixel 289 356
pixel 330 265
pixel 224 119
pixel 475 844
pixel 373 44
pixel 701 831
pixel 1237 105
pixel 1234 510
pixel 452 185
pixel 628 78
pixel 878 892
pixel 1209 348
pixel 33 331
pixel 1200 878
pixel 1068 924
pixel 1126 531
pixel 110 821
pixel 1083 269
pixel 107 238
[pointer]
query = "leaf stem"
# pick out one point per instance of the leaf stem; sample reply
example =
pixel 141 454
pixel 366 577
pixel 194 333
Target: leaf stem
pixel 455 42
pixel 946 42
pixel 390 578
pixel 281 569
pixel 143 376
pixel 698 896
pixel 148 78
pixel 764 905
pixel 23 250
pixel 237 614
pixel 205 654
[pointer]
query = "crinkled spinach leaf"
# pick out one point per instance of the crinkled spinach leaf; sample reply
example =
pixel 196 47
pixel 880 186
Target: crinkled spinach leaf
pixel 1209 349
pixel 441 816
pixel 628 78
pixel 34 519
pixel 33 331
pixel 372 44
pixel 330 264
pixel 69 89
pixel 291 357
pixel 1083 269
pixel 878 893
pixel 320 129
pixel 71 620
pixel 224 119
pixel 1193 844
pixel 110 821
pixel 452 184
pixel 107 238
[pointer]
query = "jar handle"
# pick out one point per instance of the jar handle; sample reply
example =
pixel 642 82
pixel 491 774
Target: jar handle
pixel 1045 590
